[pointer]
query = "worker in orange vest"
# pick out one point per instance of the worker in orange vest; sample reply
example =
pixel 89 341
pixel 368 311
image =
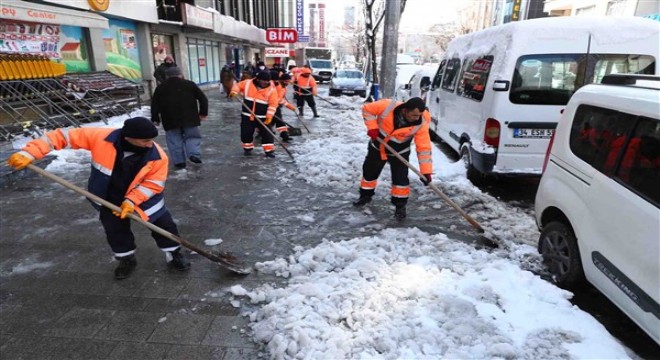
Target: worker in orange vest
pixel 397 124
pixel 281 84
pixel 306 89
pixel 260 100
pixel 129 170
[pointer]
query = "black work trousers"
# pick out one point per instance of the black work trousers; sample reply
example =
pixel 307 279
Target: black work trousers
pixel 247 133
pixel 300 101
pixel 121 239
pixel 373 165
pixel 280 125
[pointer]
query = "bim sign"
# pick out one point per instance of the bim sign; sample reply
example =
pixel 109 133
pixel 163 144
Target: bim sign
pixel 281 35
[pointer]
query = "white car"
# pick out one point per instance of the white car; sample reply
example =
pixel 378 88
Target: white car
pixel 598 202
pixel 419 84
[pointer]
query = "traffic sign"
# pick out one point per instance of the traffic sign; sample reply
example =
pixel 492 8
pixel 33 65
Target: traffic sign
pixel 303 38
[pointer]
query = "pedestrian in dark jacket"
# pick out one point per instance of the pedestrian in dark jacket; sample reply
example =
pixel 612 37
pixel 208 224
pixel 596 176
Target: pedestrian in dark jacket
pixel 159 74
pixel 181 106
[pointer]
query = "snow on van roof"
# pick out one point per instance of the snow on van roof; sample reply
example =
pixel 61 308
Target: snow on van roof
pixel 515 37
pixel 603 29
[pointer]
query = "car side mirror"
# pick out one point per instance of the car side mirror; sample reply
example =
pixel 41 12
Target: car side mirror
pixel 406 86
pixel 501 85
pixel 425 88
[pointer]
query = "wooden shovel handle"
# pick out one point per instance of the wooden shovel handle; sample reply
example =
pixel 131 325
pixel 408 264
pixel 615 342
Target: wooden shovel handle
pixel 435 189
pixel 116 208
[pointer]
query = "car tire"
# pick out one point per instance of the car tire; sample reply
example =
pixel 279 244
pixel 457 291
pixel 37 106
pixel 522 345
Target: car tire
pixel 476 177
pixel 561 255
pixel 362 94
pixel 331 92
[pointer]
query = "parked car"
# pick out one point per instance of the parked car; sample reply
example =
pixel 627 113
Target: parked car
pixel 497 94
pixel 348 82
pixel 598 202
pixel 419 84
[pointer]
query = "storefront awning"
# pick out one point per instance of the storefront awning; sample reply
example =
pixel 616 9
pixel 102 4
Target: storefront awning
pixel 39 13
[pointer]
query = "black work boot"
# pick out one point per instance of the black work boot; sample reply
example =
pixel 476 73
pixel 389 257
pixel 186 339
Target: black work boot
pixel 247 152
pixel 179 261
pixel 363 200
pixel 285 137
pixel 300 112
pixel 400 212
pixel 126 266
pixel 315 113
pixel 270 155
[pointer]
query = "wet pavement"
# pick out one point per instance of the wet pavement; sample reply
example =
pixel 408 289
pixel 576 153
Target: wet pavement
pixel 58 297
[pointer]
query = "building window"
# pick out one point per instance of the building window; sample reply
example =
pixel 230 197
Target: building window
pixel 616 7
pixel 589 10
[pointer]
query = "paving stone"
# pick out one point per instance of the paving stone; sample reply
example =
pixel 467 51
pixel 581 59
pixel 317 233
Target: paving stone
pixel 182 305
pixel 182 328
pixel 81 323
pixel 227 331
pixel 130 326
pixel 141 351
pixel 29 320
pixel 162 287
pixel 183 352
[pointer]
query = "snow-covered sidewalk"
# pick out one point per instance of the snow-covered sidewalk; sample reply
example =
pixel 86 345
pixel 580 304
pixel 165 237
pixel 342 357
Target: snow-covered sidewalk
pixel 406 294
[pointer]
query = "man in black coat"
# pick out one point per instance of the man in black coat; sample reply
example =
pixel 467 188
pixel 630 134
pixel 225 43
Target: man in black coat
pixel 181 106
pixel 159 74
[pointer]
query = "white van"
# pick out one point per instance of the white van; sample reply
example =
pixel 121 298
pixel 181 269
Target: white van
pixel 598 202
pixel 498 93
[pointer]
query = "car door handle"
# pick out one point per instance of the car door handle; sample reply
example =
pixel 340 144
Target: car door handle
pixel 437 100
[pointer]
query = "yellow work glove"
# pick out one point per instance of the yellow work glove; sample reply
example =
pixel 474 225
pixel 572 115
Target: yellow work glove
pixel 291 107
pixel 127 208
pixel 232 94
pixel 19 161
pixel 268 120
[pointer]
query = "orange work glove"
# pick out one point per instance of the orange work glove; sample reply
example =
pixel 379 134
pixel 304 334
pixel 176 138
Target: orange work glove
pixel 127 208
pixel 19 160
pixel 268 120
pixel 232 94
pixel 291 107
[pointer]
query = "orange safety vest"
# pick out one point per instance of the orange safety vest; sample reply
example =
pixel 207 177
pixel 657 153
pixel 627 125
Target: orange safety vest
pixel 380 115
pixel 145 191
pixel 262 102
pixel 306 86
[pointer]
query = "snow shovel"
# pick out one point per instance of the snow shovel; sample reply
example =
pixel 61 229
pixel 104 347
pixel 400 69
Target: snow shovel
pixel 292 130
pixel 224 259
pixel 326 100
pixel 435 189
pixel 265 127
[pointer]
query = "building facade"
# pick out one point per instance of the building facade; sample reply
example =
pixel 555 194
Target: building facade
pixel 131 38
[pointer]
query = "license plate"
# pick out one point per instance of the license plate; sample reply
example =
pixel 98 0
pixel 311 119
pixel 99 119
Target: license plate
pixel 533 133
pixel 349 92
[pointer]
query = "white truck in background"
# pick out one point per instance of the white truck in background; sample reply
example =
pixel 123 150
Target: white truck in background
pixel 319 60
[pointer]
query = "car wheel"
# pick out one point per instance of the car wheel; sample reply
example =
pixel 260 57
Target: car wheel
pixel 362 94
pixel 332 92
pixel 476 177
pixel 561 256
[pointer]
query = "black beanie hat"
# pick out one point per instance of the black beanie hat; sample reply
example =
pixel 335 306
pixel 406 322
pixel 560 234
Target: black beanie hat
pixel 139 128
pixel 263 75
pixel 285 76
pixel 414 103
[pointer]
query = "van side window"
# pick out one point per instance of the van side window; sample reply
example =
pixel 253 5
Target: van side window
pixel 640 164
pixel 547 79
pixel 474 77
pixel 598 136
pixel 438 75
pixel 451 74
pixel 617 64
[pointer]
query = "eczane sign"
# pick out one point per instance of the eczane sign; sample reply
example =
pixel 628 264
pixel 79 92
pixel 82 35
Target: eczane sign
pixel 277 52
pixel 281 35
